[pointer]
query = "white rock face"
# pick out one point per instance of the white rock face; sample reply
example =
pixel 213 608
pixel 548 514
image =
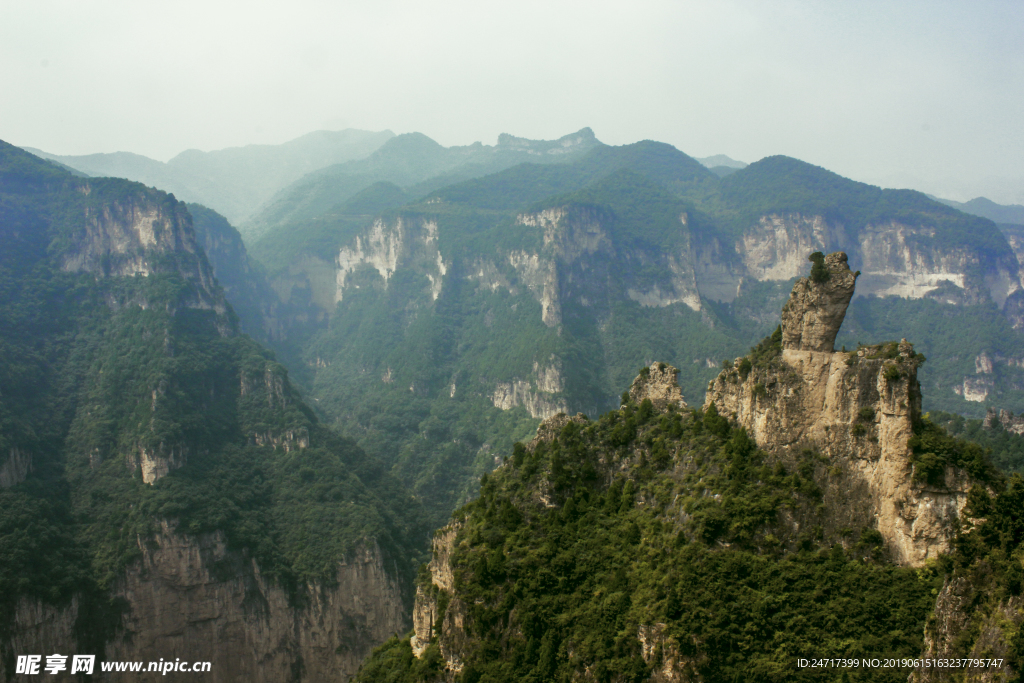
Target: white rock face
pixel 385 248
pixel 899 261
pixel 539 397
pixel 859 412
pixel 895 259
pixel 777 247
pixel 974 388
pixel 541 277
pixel 141 235
pixel 983 364
pixel 180 605
pixel 684 287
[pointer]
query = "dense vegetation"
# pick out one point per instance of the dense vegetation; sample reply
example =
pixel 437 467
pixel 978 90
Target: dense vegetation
pixel 670 523
pixel 99 372
pixel 1005 448
pixel 987 562
pixel 951 336
pixel 651 202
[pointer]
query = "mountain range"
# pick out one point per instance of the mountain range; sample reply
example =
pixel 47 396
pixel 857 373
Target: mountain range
pixel 427 308
pixel 231 181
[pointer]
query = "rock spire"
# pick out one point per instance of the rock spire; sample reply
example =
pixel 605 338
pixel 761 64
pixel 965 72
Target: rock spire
pixel 817 306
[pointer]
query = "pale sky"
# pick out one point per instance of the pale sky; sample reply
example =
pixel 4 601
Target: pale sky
pixel 927 95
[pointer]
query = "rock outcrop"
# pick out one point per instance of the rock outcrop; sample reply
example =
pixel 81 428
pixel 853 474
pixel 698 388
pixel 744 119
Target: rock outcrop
pixel 660 384
pixel 954 616
pixel 857 409
pixel 436 610
pixel 141 233
pixel 1004 419
pixel 195 599
pixel 15 467
pixel 815 310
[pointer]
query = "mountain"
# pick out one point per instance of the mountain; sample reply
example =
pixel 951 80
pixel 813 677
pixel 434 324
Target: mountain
pixel 412 161
pixel 443 328
pixel 164 490
pixel 806 511
pixel 986 208
pixel 722 165
pixel 236 180
pixel 721 160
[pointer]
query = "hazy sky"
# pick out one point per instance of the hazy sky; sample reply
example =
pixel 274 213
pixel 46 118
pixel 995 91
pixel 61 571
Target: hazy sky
pixel 920 94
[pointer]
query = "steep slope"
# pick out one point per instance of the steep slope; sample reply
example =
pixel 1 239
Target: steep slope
pixel 540 288
pixel 232 181
pixel 244 283
pixel 411 159
pixel 663 543
pixel 164 492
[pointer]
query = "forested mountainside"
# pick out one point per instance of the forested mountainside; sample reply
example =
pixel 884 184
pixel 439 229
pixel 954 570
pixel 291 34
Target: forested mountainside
pixel 233 181
pixel 986 208
pixel 412 161
pixel 436 324
pixel 806 510
pixel 164 491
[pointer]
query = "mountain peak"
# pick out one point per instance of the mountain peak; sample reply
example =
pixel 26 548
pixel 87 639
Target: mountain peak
pixel 816 308
pixel 573 142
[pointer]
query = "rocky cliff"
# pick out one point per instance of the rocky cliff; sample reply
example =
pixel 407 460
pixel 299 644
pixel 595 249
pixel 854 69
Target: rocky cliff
pixel 856 408
pixel 518 583
pixel 164 490
pixel 132 231
pixel 194 599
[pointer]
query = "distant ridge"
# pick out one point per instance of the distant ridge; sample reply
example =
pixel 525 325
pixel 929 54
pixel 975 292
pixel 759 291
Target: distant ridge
pixel 235 180
pixel 986 208
pixel 721 160
pixel 411 161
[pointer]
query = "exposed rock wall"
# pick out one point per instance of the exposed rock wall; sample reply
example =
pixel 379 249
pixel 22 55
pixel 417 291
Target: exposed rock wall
pixel 896 259
pixel 1005 419
pixel 952 617
pixel 541 395
pixel 659 384
pixel 193 599
pixel 815 310
pixel 858 409
pixel 429 600
pixel 662 654
pixel 143 234
pixel 386 247
pixel 776 247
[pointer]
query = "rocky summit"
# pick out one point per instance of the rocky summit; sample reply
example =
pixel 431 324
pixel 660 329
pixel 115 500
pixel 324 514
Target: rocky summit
pixel 858 408
pixel 816 308
pixel 809 506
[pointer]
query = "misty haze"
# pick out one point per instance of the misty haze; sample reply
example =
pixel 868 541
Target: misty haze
pixel 467 344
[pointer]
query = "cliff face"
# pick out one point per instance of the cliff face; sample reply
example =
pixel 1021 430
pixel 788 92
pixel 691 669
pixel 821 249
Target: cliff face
pixel 260 313
pixel 857 408
pixel 158 469
pixel 140 233
pixel 580 266
pixel 896 259
pixel 193 599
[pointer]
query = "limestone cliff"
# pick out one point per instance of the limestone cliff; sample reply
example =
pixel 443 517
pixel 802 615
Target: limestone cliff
pixel 896 258
pixel 439 615
pixel 387 246
pixel 856 408
pixel 197 600
pixel 140 233
pixel 659 385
